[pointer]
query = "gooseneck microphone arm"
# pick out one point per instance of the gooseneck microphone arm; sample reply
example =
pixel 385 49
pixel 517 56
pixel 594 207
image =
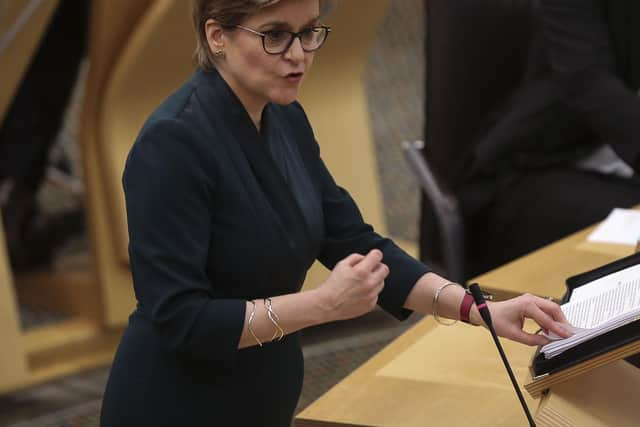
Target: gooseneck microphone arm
pixel 486 316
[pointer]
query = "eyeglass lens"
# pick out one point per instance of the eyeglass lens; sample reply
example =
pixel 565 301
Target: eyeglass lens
pixel 279 41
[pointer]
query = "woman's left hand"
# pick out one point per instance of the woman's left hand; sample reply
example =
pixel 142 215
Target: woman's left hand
pixel 508 319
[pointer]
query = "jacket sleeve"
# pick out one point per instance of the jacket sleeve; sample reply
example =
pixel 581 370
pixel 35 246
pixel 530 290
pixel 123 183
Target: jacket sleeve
pixel 169 184
pixel 347 233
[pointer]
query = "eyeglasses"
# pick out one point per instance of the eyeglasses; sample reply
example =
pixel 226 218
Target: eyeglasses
pixel 276 42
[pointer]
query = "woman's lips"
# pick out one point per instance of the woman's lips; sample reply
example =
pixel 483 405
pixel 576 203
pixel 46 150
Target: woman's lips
pixel 294 77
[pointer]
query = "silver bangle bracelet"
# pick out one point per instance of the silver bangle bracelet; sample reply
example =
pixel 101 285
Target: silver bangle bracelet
pixel 279 333
pixel 250 323
pixel 434 306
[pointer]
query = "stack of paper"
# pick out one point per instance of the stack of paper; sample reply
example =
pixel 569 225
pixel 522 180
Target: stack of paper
pixel 599 307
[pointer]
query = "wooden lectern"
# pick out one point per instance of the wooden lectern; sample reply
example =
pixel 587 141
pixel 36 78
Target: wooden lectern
pixel 606 396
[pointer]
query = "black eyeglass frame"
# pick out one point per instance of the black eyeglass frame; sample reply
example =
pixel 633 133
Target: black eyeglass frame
pixel 297 35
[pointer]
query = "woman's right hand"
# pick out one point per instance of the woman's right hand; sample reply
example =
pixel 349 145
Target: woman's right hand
pixel 353 286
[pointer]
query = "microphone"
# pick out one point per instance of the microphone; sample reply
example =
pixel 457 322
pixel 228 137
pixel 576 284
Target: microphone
pixel 486 316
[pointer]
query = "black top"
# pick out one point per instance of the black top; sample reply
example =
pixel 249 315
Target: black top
pixel 219 214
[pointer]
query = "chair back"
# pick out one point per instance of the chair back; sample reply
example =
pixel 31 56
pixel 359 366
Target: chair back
pixel 476 54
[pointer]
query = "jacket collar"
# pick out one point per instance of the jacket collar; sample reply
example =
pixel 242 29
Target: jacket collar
pixel 221 101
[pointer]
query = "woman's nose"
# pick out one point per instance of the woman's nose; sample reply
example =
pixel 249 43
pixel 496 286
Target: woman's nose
pixel 295 51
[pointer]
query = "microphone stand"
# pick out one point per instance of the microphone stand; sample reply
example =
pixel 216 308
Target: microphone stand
pixel 486 316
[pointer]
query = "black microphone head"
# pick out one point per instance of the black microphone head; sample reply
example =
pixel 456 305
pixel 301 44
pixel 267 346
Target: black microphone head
pixel 478 297
pixel 477 294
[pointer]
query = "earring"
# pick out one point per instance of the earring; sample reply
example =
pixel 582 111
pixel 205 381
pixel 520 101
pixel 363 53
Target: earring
pixel 219 54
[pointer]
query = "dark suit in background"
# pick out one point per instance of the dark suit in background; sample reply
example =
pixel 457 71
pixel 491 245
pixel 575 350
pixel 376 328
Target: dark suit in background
pixel 517 177
pixel 29 130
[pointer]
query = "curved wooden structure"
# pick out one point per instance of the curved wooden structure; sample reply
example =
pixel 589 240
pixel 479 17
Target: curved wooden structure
pixel 130 76
pixel 13 366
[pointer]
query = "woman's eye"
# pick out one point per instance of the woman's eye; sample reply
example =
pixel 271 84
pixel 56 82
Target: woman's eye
pixel 308 33
pixel 276 36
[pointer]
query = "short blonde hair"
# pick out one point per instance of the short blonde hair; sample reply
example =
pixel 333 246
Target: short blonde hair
pixel 227 13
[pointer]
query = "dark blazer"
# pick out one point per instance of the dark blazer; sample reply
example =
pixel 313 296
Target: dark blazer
pixel 215 220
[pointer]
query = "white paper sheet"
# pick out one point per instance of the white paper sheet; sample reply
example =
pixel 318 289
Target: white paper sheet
pixel 622 226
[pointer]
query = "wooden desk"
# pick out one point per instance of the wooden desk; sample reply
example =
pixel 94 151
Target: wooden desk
pixel 544 271
pixel 403 386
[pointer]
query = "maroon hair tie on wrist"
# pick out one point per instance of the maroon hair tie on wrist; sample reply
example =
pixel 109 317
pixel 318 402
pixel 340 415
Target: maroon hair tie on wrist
pixel 465 307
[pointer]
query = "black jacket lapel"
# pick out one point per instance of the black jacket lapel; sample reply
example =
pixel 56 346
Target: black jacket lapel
pixel 256 151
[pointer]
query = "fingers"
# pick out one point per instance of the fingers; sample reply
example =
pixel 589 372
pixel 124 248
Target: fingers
pixel 370 262
pixel 377 287
pixel 529 339
pixel 380 273
pixel 353 259
pixel 355 283
pixel 374 293
pixel 370 271
pixel 552 309
pixel 545 320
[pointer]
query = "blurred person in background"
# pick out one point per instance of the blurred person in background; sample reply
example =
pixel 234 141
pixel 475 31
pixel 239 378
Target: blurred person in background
pixel 565 148
pixel 28 131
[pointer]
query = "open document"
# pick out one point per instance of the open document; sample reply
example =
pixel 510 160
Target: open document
pixel 599 307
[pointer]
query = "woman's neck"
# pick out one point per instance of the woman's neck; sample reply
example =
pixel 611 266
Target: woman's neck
pixel 252 104
pixel 254 109
pixel 256 119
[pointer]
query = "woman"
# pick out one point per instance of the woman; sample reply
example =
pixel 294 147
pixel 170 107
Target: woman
pixel 229 204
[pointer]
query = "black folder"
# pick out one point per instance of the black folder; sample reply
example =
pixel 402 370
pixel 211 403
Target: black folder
pixel 620 342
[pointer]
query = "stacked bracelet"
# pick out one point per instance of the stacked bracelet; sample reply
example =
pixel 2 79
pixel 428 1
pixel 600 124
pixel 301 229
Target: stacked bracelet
pixel 273 317
pixel 279 333
pixel 250 324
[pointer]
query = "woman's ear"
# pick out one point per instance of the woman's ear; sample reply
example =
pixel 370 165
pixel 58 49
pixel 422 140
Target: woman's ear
pixel 215 36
